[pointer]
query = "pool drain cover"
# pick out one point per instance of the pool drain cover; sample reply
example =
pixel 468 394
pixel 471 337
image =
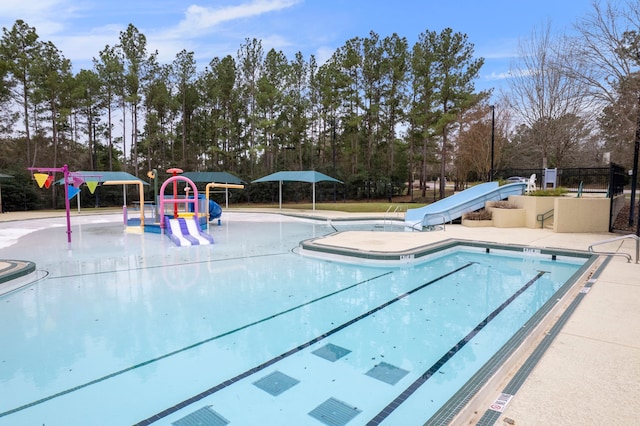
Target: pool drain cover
pixel 387 373
pixel 333 412
pixel 202 417
pixel 331 352
pixel 276 383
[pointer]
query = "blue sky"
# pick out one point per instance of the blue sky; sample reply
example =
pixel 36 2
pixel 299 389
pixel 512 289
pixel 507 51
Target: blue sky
pixel 80 29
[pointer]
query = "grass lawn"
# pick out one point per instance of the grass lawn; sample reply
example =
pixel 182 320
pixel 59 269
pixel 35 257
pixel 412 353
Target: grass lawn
pixel 349 207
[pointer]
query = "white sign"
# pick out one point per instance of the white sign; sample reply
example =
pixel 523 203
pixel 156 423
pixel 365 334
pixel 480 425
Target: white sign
pixel 501 402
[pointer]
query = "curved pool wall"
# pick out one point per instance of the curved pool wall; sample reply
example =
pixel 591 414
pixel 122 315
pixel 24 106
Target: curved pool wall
pixel 133 312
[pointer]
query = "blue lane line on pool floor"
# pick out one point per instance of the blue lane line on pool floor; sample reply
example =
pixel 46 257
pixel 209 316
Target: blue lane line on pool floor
pixel 446 357
pixel 186 348
pixel 293 351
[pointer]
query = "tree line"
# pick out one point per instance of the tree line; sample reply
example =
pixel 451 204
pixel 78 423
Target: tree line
pixel 379 114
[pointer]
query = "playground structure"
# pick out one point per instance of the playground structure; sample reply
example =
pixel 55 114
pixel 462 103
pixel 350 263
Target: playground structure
pixel 183 225
pixel 199 210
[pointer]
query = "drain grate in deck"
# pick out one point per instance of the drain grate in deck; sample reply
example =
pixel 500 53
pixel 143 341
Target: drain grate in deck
pixel 202 417
pixel 276 383
pixel 331 352
pixel 387 373
pixel 333 412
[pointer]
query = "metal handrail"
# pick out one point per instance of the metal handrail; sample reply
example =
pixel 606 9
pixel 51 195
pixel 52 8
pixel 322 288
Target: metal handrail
pixel 388 215
pixel 444 219
pixel 414 227
pixel 542 216
pixel 623 237
pixel 384 219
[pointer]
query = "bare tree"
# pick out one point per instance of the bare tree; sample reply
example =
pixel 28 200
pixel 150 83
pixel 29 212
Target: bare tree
pixel 606 52
pixel 543 93
pixel 598 51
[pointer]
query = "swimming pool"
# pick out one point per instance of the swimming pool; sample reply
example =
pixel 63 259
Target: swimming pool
pixel 130 329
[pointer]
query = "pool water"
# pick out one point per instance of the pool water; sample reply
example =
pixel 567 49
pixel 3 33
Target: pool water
pixel 130 329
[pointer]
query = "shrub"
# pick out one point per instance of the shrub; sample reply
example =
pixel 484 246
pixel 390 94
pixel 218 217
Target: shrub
pixel 554 192
pixel 481 214
pixel 504 205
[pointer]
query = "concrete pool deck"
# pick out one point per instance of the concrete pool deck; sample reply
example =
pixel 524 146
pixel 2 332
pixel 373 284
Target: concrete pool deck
pixel 590 373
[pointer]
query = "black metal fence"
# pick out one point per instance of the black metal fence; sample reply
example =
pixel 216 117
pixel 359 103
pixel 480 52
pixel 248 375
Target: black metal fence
pixel 617 180
pixel 609 180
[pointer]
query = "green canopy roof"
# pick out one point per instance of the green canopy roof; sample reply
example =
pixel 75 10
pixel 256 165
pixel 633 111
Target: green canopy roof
pixel 310 176
pixel 108 176
pixel 102 177
pixel 217 177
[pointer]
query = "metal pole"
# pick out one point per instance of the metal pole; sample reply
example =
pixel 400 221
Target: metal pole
pixel 65 172
pixel 634 178
pixel 493 132
pixel 155 194
pixel 333 154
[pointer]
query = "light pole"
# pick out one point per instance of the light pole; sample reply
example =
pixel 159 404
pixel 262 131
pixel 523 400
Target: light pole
pixel 333 153
pixel 493 134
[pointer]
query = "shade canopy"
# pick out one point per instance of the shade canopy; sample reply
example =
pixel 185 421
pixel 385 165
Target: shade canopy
pixel 102 177
pixel 208 177
pixel 106 178
pixel 310 176
pixel 113 177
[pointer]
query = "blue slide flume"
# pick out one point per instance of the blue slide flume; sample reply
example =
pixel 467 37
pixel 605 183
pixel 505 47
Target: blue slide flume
pixel 454 206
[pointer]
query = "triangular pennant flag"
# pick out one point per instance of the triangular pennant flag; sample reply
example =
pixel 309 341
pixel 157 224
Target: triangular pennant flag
pixel 73 191
pixel 92 185
pixel 41 178
pixel 77 181
pixel 48 182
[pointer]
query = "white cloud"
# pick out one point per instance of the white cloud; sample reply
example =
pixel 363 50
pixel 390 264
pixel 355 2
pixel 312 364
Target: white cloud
pixel 199 20
pixel 323 54
pixel 81 49
pixel 493 76
pixel 28 8
pixel 47 16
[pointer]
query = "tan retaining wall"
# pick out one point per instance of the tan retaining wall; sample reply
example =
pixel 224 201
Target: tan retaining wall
pixel 581 214
pixel 533 206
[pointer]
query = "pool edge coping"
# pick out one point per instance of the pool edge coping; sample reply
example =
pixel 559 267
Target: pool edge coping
pixel 518 356
pixel 313 248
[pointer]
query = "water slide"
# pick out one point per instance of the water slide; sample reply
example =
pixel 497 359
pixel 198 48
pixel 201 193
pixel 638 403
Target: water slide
pixel 454 206
pixel 215 211
pixel 186 232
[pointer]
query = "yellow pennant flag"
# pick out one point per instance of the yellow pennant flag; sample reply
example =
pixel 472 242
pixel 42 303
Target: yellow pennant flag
pixel 41 178
pixel 92 185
